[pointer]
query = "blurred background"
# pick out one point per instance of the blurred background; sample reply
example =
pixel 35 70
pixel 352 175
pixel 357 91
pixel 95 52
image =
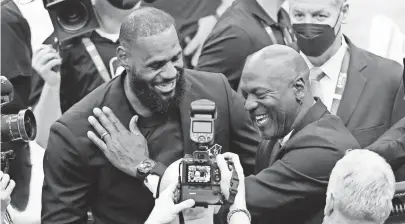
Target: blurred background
pixel 375 25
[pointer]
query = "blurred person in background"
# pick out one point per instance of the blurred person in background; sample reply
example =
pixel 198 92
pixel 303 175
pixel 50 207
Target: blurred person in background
pixel 54 92
pixel 246 27
pixel 366 91
pixel 360 191
pixel 16 56
pixel 194 22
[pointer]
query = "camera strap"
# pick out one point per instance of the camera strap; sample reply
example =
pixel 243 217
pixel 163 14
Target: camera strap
pixel 96 58
pixel 233 189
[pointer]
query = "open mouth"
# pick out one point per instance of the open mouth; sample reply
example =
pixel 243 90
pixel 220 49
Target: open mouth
pixel 261 119
pixel 166 87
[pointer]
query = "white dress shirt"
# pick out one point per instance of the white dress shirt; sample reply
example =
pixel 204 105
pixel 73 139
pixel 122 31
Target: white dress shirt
pixel 331 68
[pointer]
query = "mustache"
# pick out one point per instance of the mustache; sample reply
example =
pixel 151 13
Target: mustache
pixel 180 72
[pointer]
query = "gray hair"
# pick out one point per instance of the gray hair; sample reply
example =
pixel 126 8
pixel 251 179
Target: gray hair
pixel 362 185
pixel 336 3
pixel 144 22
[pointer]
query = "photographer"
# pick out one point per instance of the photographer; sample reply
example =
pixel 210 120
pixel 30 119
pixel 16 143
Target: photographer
pixel 16 55
pixel 54 92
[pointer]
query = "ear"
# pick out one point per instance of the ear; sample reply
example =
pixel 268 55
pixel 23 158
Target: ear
pixel 330 200
pixel 345 11
pixel 300 89
pixel 122 56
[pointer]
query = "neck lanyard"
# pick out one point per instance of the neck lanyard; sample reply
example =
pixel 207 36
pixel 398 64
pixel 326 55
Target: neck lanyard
pixel 287 36
pixel 96 58
pixel 341 83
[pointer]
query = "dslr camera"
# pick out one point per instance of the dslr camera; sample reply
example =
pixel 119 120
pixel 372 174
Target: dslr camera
pixel 200 176
pixel 21 126
pixel 71 18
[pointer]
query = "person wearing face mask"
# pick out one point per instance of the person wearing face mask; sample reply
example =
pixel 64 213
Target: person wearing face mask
pixel 366 91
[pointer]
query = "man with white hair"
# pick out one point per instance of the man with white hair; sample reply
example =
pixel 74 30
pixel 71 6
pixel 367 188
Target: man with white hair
pixel 361 188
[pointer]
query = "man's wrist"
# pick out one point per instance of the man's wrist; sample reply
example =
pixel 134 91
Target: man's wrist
pixel 152 183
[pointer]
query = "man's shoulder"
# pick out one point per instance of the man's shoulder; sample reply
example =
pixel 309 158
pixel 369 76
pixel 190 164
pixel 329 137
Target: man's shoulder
pixel 75 119
pixel 327 132
pixel 196 77
pixel 379 67
pixel 234 20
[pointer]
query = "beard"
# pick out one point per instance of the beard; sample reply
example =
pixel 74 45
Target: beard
pixel 153 100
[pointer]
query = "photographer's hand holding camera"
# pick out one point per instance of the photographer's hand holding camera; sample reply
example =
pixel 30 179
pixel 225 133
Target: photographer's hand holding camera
pixel 44 60
pixel 165 211
pixel 7 186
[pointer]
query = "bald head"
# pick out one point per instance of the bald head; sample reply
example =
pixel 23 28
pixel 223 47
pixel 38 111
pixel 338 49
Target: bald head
pixel 144 22
pixel 277 63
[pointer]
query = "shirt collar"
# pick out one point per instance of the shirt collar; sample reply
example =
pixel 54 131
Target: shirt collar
pixel 332 67
pixel 254 8
pixel 287 137
pixel 110 36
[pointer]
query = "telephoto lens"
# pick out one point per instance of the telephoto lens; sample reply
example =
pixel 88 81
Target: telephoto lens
pixel 18 126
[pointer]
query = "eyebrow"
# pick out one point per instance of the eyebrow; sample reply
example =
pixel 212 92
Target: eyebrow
pixel 160 61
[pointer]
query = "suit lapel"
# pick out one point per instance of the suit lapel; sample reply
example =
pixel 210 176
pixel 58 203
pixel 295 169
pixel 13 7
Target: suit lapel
pixel 313 114
pixel 189 96
pixel 355 83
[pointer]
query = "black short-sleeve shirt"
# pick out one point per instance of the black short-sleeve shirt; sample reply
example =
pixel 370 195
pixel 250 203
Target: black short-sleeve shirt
pixel 79 74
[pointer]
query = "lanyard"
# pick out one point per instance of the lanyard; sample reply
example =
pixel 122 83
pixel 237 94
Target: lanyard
pixel 288 38
pixel 341 83
pixel 95 56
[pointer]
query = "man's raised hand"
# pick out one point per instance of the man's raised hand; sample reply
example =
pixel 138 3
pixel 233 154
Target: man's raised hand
pixel 124 148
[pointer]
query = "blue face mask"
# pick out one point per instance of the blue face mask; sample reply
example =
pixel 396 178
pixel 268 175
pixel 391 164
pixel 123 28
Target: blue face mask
pixel 314 39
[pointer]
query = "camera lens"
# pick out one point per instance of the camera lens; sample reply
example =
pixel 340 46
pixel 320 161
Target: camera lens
pixel 73 15
pixel 18 126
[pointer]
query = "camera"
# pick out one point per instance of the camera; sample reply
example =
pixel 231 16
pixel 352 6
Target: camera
pixel 71 18
pixel 21 126
pixel 200 176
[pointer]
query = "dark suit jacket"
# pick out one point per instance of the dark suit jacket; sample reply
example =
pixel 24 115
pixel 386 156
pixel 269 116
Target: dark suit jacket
pixel 290 186
pixel 373 99
pixel 79 177
pixel 238 34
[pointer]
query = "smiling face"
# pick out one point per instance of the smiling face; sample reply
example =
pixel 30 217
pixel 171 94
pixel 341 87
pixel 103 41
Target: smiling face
pixel 270 99
pixel 155 65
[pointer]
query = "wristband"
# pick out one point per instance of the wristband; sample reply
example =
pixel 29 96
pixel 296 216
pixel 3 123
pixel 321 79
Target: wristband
pixel 238 210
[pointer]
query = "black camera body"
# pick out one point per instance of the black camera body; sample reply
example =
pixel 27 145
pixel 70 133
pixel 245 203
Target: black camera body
pixel 21 126
pixel 200 176
pixel 71 18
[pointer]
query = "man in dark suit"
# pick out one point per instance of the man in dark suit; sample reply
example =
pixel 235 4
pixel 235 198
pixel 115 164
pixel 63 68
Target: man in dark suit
pixel 366 91
pixel 302 140
pixel 156 89
pixel 246 27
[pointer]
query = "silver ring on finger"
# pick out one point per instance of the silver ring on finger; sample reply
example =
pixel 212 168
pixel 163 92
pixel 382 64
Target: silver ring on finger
pixel 103 135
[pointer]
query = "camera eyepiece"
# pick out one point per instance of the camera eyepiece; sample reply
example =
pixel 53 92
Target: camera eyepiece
pixel 18 126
